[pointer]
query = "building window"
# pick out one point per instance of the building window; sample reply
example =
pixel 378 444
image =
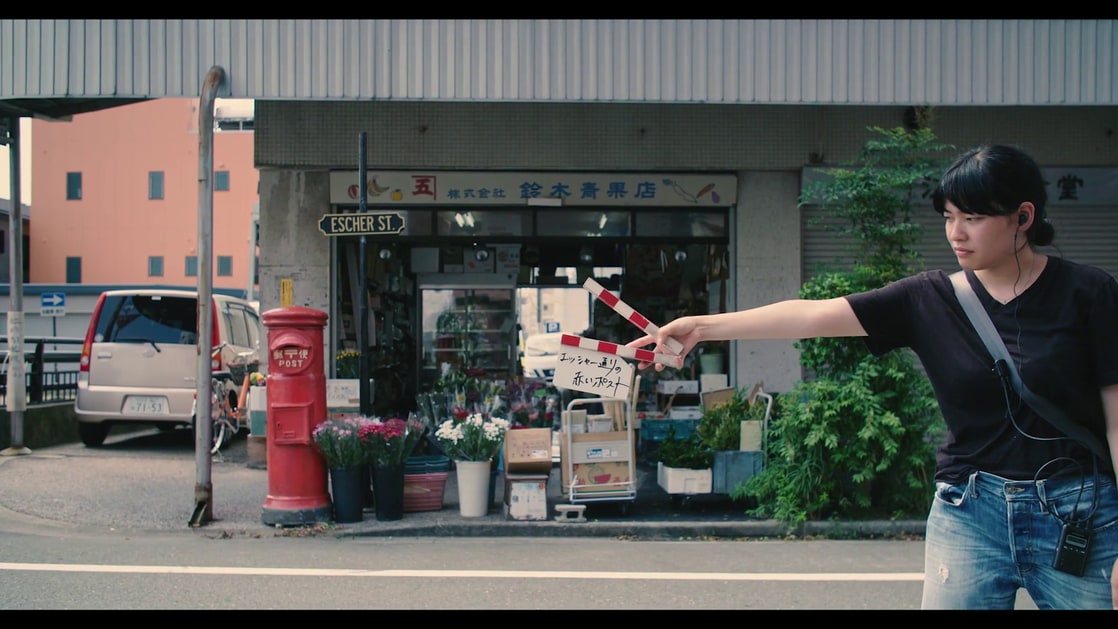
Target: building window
pixel 192 266
pixel 221 181
pixel 234 124
pixel 155 184
pixel 155 266
pixel 73 270
pixel 225 266
pixel 73 186
pixel 3 241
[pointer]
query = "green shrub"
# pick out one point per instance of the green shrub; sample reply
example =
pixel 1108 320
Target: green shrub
pixel 857 439
pixel 720 427
pixel 689 452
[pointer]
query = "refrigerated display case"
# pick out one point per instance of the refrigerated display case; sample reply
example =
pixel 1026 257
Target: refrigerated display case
pixel 468 329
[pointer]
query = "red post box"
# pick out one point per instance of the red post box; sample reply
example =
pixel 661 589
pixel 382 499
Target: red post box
pixel 297 482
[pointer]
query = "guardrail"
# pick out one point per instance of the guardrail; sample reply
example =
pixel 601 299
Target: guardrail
pixel 52 374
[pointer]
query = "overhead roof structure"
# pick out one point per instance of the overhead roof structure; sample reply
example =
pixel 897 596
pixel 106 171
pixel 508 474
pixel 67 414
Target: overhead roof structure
pixel 59 68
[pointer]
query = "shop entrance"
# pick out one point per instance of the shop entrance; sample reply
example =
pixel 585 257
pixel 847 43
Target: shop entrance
pixel 503 327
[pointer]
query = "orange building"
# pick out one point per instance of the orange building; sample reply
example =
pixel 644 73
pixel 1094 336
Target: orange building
pixel 116 195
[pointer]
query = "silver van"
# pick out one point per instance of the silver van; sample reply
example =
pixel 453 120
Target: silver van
pixel 139 362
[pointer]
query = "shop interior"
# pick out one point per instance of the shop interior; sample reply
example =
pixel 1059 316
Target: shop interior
pixel 471 320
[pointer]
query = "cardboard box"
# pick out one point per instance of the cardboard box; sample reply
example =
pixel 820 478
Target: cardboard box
pixel 575 420
pixel 599 423
pixel 679 480
pixel 600 462
pixel 717 396
pixel 528 451
pixel 713 381
pixel 752 432
pixel 685 387
pixel 599 477
pixel 686 412
pixel 526 496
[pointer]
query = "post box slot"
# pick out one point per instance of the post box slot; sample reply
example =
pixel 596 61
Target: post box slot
pixel 292 425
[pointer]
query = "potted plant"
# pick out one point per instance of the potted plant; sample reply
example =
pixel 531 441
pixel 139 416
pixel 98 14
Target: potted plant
pixel 348 363
pixel 471 443
pixel 388 444
pixel 339 441
pixel 684 465
pixel 724 428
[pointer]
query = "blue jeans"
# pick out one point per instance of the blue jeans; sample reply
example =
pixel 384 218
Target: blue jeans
pixel 992 536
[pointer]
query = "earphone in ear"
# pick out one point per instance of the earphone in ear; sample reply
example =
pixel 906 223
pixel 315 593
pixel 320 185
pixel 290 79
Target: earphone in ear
pixel 1024 218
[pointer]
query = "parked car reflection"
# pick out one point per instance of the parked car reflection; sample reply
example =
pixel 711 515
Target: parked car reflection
pixel 540 355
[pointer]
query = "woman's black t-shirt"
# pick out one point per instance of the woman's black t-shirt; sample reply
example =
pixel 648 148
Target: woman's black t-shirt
pixel 1063 335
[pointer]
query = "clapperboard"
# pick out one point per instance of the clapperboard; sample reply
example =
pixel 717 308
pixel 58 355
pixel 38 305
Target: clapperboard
pixel 598 367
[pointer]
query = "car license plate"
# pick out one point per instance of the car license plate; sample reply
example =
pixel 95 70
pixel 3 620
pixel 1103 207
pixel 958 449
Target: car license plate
pixel 145 405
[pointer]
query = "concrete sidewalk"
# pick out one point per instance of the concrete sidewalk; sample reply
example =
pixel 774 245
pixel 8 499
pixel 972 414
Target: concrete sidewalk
pixel 145 482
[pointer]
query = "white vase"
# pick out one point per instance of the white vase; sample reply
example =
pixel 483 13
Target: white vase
pixel 473 488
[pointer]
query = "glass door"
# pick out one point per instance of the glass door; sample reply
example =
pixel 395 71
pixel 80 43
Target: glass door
pixel 468 333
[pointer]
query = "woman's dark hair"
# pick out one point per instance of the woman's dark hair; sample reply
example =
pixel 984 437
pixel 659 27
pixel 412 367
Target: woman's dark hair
pixel 995 180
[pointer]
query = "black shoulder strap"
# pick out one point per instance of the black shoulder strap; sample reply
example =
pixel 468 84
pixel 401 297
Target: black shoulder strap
pixel 980 319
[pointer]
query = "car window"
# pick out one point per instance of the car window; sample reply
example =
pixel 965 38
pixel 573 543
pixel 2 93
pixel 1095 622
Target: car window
pixel 542 345
pixel 157 318
pixel 255 327
pixel 238 326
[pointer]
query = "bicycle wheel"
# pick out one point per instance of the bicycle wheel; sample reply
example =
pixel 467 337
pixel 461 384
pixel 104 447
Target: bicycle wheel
pixel 223 420
pixel 220 431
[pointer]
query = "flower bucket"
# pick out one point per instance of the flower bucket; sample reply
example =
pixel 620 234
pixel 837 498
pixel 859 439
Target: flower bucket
pixel 424 492
pixel 473 488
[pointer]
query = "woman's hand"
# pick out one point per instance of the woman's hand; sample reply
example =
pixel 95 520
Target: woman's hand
pixel 683 330
pixel 1114 585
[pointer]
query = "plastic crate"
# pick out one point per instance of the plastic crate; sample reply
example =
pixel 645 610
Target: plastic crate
pixel 425 464
pixel 656 430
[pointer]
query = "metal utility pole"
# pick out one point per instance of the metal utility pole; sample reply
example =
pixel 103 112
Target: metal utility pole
pixel 365 398
pixel 16 401
pixel 203 486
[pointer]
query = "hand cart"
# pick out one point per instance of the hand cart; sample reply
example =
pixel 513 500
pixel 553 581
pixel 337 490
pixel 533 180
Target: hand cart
pixel 600 466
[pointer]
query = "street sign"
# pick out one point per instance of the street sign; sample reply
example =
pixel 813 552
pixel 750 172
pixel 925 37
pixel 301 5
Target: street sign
pixel 356 224
pixel 52 304
pixel 551 326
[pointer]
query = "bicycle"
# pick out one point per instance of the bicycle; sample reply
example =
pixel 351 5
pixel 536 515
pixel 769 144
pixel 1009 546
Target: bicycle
pixel 228 404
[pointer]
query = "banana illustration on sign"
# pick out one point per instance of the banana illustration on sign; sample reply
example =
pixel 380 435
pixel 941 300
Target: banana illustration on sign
pixel 375 189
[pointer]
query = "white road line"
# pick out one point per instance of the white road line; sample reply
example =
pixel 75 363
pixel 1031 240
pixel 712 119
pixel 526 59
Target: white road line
pixel 492 574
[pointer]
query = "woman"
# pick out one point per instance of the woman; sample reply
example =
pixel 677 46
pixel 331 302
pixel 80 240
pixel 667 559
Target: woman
pixel 1059 320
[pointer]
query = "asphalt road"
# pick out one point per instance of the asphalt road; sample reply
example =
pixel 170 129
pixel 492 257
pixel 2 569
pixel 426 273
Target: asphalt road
pixel 108 528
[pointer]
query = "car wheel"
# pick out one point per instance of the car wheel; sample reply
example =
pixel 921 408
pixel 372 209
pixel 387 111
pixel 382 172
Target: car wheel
pixel 93 435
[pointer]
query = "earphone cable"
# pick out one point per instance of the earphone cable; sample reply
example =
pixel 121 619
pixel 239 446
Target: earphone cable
pixel 1082 487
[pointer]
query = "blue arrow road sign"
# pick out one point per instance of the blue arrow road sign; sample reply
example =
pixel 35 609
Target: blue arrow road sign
pixel 52 304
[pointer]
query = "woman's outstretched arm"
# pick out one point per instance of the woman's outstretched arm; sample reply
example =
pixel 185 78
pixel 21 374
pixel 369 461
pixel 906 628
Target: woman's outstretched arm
pixel 791 319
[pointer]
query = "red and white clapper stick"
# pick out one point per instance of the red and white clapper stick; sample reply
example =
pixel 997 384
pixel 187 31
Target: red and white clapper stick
pixel 605 347
pixel 634 317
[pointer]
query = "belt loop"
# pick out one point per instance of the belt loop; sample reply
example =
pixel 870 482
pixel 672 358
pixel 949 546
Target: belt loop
pixel 973 482
pixel 1042 496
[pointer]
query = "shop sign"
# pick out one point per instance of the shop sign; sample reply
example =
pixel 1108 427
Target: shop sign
pixel 559 189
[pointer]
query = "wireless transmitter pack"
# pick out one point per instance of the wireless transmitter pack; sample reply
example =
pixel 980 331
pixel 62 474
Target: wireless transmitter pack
pixel 1071 553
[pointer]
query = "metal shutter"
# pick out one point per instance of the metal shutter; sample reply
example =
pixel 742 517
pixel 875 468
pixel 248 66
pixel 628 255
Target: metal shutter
pixel 1083 234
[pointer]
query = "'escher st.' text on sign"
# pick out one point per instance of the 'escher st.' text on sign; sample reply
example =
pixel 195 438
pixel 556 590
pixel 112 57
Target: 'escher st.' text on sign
pixel 357 224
